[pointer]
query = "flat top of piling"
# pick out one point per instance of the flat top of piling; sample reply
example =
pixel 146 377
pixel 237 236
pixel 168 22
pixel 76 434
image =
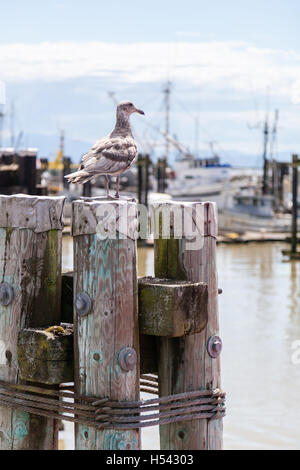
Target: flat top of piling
pixel 38 213
pixel 88 214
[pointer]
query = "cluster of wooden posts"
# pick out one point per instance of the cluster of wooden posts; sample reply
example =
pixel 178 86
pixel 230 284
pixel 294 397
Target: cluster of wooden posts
pixel 124 327
pixel 19 173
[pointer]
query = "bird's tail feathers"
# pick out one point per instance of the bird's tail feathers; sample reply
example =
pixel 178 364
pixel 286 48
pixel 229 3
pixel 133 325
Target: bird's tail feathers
pixel 80 177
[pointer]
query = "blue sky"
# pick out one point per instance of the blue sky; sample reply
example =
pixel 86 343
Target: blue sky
pixel 268 23
pixel 229 61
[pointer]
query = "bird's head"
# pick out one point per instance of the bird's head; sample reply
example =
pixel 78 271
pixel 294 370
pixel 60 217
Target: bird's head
pixel 127 108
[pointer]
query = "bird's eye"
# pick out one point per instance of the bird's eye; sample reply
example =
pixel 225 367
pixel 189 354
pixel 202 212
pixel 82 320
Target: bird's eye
pixel 130 104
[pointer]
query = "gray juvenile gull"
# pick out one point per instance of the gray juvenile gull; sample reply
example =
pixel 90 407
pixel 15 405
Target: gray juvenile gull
pixel 111 155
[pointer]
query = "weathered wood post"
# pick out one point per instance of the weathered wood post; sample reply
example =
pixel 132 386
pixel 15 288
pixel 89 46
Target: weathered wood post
pixel 30 277
pixel 66 170
pixel 184 363
pixel 27 170
pixel 295 165
pixel 87 189
pixel 105 313
pixel 140 178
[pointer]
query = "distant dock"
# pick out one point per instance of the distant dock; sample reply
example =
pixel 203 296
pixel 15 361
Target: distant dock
pixel 254 237
pixel 224 237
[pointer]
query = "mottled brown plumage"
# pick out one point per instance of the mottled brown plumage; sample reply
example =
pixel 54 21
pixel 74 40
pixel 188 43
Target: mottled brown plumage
pixel 111 155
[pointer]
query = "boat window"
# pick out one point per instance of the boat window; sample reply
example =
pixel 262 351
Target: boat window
pixel 189 177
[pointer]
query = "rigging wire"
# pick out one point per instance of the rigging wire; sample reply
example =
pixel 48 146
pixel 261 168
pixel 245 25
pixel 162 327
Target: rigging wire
pixel 195 118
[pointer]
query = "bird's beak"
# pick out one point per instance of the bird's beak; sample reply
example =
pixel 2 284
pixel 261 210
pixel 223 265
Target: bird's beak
pixel 139 111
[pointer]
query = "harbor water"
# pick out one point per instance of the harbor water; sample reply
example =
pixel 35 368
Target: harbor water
pixel 260 326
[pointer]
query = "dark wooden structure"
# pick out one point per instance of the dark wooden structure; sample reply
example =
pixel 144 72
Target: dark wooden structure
pixel 18 172
pixel 293 253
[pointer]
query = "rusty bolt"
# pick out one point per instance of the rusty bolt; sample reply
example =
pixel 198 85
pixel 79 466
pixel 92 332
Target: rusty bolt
pixel 83 304
pixel 214 346
pixel 6 294
pixel 127 359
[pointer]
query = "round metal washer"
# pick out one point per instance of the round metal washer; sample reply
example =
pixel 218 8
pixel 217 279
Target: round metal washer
pixel 6 294
pixel 83 304
pixel 214 346
pixel 127 359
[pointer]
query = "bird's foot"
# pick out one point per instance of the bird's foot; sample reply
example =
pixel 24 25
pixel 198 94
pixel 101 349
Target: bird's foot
pixel 117 197
pixel 111 197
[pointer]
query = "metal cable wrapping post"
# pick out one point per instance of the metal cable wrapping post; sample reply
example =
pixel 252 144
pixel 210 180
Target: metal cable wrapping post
pixel 104 413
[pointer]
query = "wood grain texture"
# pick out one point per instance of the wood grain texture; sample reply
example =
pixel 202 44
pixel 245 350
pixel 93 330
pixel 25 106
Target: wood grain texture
pixel 183 363
pixel 38 213
pixel 106 270
pixel 31 263
pixel 61 357
pixel 171 308
pixel 148 356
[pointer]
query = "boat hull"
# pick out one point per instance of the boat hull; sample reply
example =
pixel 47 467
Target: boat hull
pixel 240 223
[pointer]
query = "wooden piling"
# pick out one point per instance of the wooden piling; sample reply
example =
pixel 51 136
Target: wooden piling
pixel 27 170
pixel 184 363
pixel 66 170
pixel 293 253
pixel 87 189
pixel 295 166
pixel 105 271
pixel 30 265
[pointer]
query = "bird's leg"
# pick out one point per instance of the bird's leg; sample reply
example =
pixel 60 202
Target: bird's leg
pixel 118 183
pixel 107 186
pixel 108 196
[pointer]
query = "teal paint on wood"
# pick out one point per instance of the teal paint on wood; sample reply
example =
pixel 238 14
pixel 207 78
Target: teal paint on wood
pixel 106 271
pixel 21 422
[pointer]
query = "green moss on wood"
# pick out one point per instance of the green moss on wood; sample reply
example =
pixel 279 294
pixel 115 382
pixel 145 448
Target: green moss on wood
pixel 46 356
pixel 161 258
pixel 52 262
pixel 175 268
pixel 168 263
pixel 8 231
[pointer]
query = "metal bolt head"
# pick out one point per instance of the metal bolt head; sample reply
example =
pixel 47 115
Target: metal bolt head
pixel 214 346
pixel 127 359
pixel 83 304
pixel 6 294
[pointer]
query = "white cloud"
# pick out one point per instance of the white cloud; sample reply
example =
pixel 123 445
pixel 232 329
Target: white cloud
pixel 2 93
pixel 225 83
pixel 217 64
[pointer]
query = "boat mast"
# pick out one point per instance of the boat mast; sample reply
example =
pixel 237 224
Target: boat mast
pixel 167 92
pixel 12 124
pixel 265 160
pixel 274 165
pixel 162 164
pixel 2 115
pixel 274 134
pixel 196 136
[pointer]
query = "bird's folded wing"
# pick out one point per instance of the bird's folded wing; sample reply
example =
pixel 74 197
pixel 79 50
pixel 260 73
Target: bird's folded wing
pixel 110 155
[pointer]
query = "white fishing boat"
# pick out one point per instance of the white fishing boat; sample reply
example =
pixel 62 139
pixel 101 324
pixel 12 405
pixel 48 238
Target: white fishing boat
pixel 198 179
pixel 253 213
